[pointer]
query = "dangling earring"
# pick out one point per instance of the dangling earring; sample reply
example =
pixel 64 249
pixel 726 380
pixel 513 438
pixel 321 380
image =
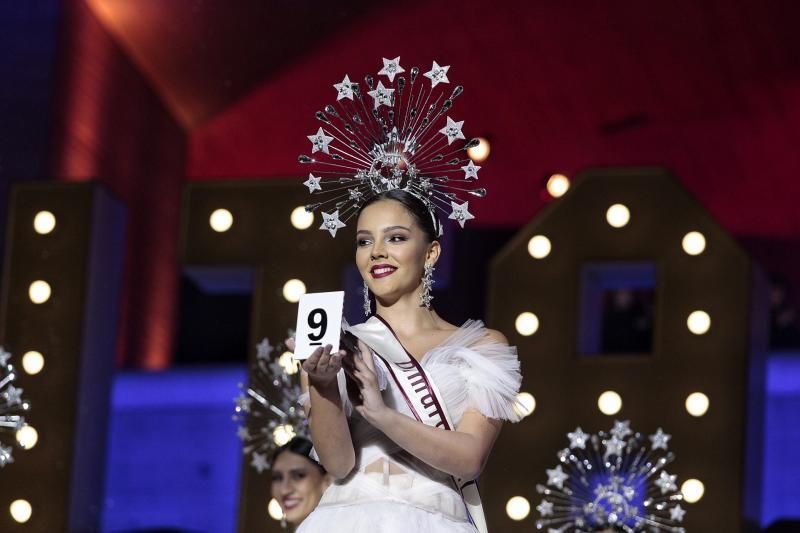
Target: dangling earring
pixel 367 304
pixel 427 284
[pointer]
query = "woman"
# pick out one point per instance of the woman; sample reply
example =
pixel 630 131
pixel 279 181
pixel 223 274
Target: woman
pixel 297 480
pixel 396 470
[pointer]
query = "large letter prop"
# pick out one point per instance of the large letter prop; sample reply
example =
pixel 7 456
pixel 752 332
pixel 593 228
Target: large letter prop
pixel 716 289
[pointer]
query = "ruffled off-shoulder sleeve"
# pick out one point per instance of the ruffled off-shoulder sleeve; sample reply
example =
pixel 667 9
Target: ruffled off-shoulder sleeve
pixel 474 372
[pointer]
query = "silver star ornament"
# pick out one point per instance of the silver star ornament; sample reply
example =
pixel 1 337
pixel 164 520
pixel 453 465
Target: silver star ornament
pixel 263 349
pixel 437 74
pixel 677 513
pixel 331 222
pixel 578 439
pixel 621 429
pixel 259 462
pixel 461 213
pixel 452 130
pixel 470 170
pixel 344 89
pixel 320 141
pixel 556 477
pixel 614 446
pixel 545 508
pixel 391 67
pixel 13 395
pixel 313 183
pixel 660 439
pixel 666 482
pixel 4 356
pixel 381 95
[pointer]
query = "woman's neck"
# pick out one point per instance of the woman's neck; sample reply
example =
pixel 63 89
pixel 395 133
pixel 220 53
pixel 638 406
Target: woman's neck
pixel 407 317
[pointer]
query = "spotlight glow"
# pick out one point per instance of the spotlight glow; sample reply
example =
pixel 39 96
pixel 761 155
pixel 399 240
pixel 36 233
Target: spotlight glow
pixel 481 152
pixel 527 324
pixel 557 185
pixel 289 364
pixel 44 222
pixel 221 220
pixel 692 490
pixel 293 289
pixel 609 403
pixel 32 362
pixel 694 243
pixel 300 218
pixel 39 291
pixel 618 215
pixel 274 509
pixel 539 247
pixel 518 508
pixel 698 322
pixel 697 404
pixel 27 437
pixel 283 434
pixel 20 510
pixel 525 404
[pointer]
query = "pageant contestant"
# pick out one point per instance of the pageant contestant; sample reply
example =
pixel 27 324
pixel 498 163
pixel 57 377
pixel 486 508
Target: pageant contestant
pixel 404 420
pixel 298 481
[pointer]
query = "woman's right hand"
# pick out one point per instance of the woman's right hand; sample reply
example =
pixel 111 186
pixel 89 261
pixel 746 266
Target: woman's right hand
pixel 322 366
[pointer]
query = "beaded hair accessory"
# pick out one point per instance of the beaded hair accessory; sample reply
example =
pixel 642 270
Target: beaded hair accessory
pixel 396 136
pixel 614 479
pixel 266 425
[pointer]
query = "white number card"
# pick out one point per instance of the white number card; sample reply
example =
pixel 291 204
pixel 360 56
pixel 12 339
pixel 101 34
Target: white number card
pixel 319 322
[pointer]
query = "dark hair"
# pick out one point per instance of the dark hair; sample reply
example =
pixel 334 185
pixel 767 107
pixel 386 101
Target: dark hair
pixel 300 446
pixel 414 206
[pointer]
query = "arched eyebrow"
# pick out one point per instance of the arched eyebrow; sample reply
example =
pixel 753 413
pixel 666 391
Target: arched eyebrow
pixel 385 230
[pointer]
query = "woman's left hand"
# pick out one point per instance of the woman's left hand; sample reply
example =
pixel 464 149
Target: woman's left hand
pixel 372 406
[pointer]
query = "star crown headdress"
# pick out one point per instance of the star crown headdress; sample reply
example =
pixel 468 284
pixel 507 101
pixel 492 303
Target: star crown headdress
pixel 403 137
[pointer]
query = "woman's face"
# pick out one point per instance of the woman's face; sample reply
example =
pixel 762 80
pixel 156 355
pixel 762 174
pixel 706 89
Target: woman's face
pixel 391 250
pixel 298 485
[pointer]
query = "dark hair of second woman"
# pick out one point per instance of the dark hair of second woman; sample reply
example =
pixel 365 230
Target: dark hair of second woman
pixel 300 446
pixel 413 205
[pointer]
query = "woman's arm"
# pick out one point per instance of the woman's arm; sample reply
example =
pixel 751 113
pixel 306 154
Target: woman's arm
pixel 327 420
pixel 462 453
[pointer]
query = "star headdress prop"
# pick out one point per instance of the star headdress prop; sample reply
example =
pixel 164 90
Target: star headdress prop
pixel 398 133
pixel 615 479
pixel 268 409
pixel 12 409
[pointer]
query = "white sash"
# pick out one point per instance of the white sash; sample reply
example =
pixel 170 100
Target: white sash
pixel 421 395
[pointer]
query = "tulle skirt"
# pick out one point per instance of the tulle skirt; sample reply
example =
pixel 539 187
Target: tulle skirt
pixel 380 517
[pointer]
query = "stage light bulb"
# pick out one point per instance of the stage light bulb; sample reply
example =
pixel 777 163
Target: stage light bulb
pixel 27 437
pixel 283 434
pixel 20 510
pixel 221 220
pixel 289 364
pixel 697 404
pixel 609 403
pixel 692 490
pixel 539 247
pixel 525 404
pixel 618 215
pixel 557 185
pixel 527 323
pixel 293 289
pixel 301 219
pixel 694 243
pixel 518 508
pixel 39 291
pixel 32 362
pixel 480 152
pixel 698 322
pixel 274 510
pixel 44 222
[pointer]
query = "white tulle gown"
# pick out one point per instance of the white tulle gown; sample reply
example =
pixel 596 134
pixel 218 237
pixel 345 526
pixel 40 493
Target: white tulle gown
pixel 391 491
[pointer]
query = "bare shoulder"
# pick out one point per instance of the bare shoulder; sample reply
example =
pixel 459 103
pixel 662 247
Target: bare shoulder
pixel 496 336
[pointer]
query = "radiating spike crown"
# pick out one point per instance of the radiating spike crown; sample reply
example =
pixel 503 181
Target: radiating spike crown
pixel 396 133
